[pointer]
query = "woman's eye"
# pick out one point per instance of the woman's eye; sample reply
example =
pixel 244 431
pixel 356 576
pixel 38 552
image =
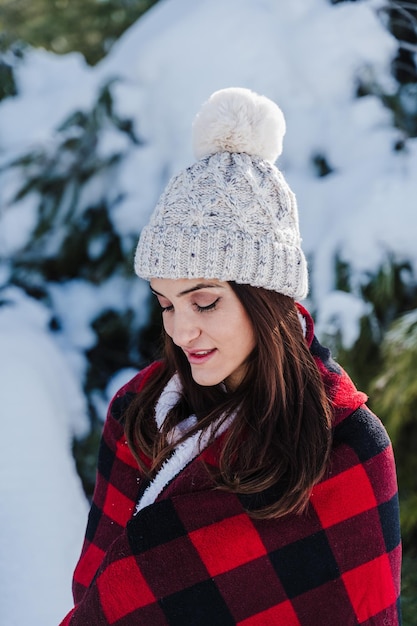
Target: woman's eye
pixel 208 307
pixel 167 308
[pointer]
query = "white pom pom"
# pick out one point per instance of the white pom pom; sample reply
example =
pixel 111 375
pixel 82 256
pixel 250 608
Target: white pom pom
pixel 239 120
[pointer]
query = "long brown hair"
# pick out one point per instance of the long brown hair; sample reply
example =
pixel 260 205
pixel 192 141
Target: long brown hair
pixel 279 440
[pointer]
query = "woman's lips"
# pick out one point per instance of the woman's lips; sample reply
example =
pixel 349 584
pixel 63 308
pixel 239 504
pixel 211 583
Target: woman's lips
pixel 199 356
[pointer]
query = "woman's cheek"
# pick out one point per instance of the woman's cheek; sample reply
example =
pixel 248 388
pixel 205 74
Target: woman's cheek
pixel 167 324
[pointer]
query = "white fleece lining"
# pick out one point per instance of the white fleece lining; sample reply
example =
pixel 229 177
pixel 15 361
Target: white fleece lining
pixel 186 451
pixel 168 398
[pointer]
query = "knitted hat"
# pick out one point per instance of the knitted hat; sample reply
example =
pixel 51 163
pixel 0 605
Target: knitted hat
pixel 231 215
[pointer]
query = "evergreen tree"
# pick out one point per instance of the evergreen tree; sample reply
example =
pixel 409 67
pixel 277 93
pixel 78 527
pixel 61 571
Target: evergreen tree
pixel 74 242
pixel 395 398
pixel 55 24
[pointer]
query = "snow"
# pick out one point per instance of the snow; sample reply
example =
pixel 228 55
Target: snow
pixel 50 88
pixel 341 312
pixel 43 509
pixel 17 226
pixel 111 294
pixel 308 56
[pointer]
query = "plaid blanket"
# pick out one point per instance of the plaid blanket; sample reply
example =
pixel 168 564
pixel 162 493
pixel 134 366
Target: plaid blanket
pixel 194 557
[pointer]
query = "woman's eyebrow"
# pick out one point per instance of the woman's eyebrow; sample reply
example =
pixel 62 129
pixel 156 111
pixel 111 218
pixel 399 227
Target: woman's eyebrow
pixel 191 289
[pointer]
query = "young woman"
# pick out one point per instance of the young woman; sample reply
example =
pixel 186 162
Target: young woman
pixel 241 479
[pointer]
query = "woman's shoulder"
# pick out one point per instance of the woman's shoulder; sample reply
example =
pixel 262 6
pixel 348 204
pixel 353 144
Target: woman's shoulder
pixel 361 483
pixel 362 465
pixel 363 433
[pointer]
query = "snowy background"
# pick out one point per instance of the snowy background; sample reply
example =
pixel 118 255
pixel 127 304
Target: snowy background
pixel 307 55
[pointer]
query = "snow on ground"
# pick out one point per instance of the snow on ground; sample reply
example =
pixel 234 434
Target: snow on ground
pixel 43 510
pixel 307 55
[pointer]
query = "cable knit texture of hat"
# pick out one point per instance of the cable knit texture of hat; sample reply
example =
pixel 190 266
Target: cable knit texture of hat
pixel 231 215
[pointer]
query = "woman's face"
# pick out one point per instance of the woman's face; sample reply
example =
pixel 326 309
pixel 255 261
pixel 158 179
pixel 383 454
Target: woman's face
pixel 207 321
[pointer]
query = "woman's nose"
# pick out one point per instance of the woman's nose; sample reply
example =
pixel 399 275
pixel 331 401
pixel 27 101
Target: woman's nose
pixel 184 329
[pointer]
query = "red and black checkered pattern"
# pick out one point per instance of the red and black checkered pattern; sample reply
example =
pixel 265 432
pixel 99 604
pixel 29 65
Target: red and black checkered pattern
pixel 196 558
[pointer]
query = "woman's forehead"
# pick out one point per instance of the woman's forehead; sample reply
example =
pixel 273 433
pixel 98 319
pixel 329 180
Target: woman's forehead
pixel 182 286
